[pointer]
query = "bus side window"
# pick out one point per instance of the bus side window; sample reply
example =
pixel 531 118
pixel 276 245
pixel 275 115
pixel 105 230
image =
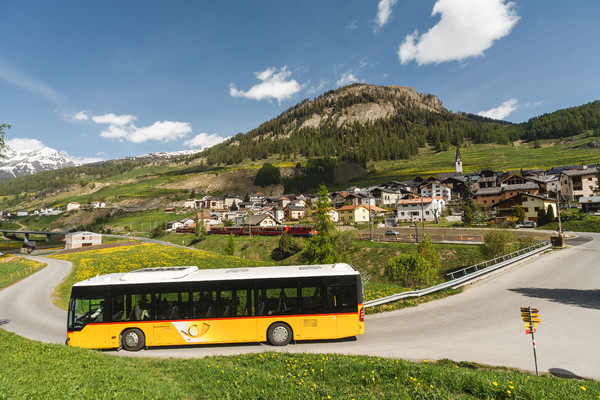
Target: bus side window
pixel 141 309
pixel 118 307
pixel 341 298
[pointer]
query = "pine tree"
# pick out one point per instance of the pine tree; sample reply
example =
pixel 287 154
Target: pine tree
pixel 322 248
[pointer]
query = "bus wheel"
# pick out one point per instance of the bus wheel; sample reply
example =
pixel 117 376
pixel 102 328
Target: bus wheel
pixel 132 339
pixel 279 334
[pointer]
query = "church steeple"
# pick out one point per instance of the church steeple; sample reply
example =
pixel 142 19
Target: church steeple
pixel 459 166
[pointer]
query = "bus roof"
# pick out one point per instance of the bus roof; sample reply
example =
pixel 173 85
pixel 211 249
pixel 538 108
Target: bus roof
pixel 193 274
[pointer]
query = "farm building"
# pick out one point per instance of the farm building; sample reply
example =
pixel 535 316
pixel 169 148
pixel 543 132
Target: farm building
pixel 76 240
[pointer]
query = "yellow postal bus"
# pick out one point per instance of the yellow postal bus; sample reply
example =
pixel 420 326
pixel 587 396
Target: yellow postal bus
pixel 185 305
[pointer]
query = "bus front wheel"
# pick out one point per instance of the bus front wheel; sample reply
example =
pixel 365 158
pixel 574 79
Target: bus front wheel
pixel 132 339
pixel 279 334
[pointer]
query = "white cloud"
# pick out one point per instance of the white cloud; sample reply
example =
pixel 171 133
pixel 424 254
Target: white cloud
pixel 352 26
pixel 274 85
pixel 121 127
pixel 384 12
pixel 502 111
pixel 18 78
pixel 466 29
pixel 18 144
pixel 204 140
pixel 346 79
pixel 113 119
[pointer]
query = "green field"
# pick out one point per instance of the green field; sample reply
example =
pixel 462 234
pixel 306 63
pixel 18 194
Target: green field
pixel 496 157
pixel 35 370
pixel 13 269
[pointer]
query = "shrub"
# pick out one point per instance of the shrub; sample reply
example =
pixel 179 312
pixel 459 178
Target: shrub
pixel 411 270
pixel 229 247
pixel 497 243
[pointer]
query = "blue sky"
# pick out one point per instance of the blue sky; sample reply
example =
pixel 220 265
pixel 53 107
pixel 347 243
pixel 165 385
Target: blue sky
pixel 109 79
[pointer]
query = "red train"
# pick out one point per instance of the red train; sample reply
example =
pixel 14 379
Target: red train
pixel 278 230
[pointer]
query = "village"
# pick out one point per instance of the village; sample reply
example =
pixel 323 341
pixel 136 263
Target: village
pixel 497 193
pixel 421 199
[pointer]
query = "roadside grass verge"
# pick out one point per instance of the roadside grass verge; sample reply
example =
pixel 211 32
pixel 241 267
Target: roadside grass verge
pixel 32 369
pixel 87 264
pixel 13 269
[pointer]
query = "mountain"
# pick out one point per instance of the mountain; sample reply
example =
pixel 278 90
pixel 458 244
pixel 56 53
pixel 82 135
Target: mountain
pixel 362 123
pixel 359 123
pixel 29 162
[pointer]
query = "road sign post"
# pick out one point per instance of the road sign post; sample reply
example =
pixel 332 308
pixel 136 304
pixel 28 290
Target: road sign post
pixel 531 318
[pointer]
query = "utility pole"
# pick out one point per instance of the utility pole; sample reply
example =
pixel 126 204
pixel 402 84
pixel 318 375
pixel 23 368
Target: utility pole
pixel 560 232
pixel 370 222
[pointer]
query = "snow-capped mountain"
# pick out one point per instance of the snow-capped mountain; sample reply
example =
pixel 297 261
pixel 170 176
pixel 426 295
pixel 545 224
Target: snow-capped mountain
pixel 29 162
pixel 164 155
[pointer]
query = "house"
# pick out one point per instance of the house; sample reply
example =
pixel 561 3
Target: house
pixel 21 213
pixel 353 213
pixel 417 209
pixel 283 201
pixel 192 203
pixel 514 179
pixel 436 189
pixel 76 240
pixel 590 204
pixel 231 200
pixel 578 183
pixel 530 203
pixel 174 225
pixel 278 213
pixel 98 204
pixel 387 196
pixel 257 198
pixel 487 197
pixel 260 220
pixel 333 214
pixel 170 210
pixel 73 206
pixel 294 212
pixel 213 203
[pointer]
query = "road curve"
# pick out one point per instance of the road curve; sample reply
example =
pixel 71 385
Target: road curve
pixel 482 324
pixel 26 307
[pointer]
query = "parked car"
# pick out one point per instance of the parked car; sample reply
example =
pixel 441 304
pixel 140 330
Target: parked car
pixel 529 224
pixel 391 232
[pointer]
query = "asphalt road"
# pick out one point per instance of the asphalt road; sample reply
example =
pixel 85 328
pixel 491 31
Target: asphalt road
pixel 482 324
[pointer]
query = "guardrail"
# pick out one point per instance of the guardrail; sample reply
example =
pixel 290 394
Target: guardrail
pixel 436 238
pixel 478 270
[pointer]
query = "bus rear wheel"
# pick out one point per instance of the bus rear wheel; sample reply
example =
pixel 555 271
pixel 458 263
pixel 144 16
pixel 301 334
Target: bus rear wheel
pixel 279 334
pixel 132 339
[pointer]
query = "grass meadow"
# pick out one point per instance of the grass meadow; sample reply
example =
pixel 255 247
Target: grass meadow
pixel 34 370
pixel 13 269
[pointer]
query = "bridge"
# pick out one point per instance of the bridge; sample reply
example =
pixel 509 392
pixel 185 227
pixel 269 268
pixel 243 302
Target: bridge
pixel 6 232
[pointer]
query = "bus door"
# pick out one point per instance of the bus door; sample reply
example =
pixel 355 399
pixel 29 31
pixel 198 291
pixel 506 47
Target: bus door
pixel 341 299
pixel 315 323
pixel 88 314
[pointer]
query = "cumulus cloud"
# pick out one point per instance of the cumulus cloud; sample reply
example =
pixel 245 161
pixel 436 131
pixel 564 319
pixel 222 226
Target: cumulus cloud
pixel 204 140
pixel 24 144
pixel 273 85
pixel 502 111
pixel 346 79
pixel 113 119
pixel 384 12
pixel 466 29
pixel 122 127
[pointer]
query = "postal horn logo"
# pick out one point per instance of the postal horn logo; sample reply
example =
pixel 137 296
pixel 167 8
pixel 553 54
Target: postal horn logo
pixel 194 332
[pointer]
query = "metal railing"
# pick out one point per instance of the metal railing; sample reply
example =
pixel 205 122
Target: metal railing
pixel 476 271
pixel 412 238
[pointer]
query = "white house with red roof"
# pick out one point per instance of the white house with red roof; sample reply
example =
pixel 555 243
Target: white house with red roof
pixel 420 208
